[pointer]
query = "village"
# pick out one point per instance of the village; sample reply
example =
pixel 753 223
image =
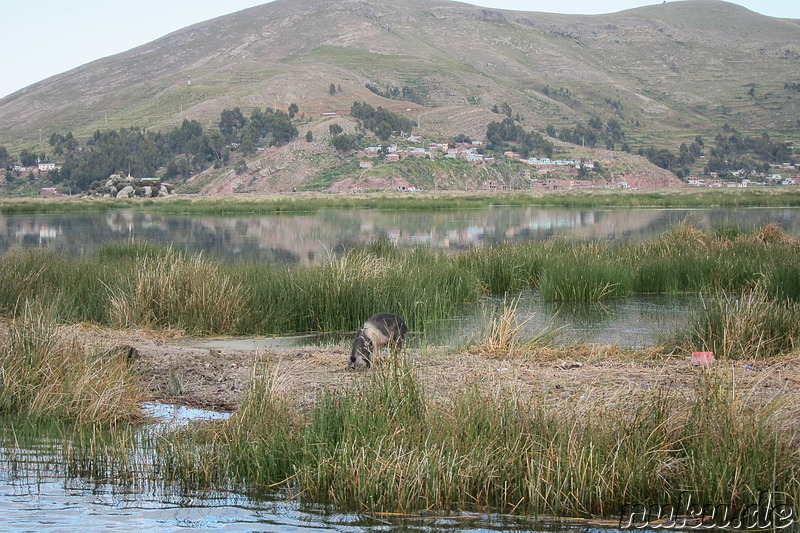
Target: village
pixel 550 174
pixel 540 173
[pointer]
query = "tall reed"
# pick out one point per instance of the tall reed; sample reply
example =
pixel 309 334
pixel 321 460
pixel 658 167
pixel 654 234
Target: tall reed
pixel 381 445
pixel 751 325
pixel 584 273
pixel 179 292
pixel 140 285
pixel 47 372
pixel 339 293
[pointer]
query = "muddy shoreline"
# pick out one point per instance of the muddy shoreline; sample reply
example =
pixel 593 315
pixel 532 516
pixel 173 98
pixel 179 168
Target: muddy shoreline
pixel 186 371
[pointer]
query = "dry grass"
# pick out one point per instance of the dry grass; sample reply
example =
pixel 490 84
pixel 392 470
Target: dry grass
pixel 49 372
pixel 752 325
pixel 504 335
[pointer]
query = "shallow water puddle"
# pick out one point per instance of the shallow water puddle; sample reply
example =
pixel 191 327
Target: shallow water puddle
pixel 170 416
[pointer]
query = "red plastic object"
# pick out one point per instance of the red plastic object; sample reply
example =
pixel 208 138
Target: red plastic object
pixel 702 358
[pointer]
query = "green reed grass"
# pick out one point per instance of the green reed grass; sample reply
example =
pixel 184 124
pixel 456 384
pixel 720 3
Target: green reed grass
pixel 339 293
pixel 380 445
pixel 177 291
pixel 751 325
pixel 765 197
pixel 585 272
pixel 43 450
pixel 137 284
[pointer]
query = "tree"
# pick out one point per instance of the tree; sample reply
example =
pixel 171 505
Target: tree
pixel 309 136
pixel 240 167
pixel 27 157
pixel 293 109
pixel 63 144
pixel 335 129
pixel 696 148
pixel 380 121
pixel 332 89
pixel 231 121
pixel 383 131
pixel 344 143
pixel 4 157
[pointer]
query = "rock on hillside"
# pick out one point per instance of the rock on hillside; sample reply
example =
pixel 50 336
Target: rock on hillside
pixel 122 188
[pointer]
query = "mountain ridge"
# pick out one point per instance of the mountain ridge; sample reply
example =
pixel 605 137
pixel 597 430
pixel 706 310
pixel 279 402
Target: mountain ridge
pixel 667 71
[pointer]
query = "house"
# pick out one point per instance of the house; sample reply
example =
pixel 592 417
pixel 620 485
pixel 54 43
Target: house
pixel 492 185
pixel 556 184
pixel 394 156
pixel 48 191
pixel 46 167
pixel 366 164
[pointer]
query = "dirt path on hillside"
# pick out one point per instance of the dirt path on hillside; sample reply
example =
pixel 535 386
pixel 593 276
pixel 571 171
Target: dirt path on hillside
pixel 182 370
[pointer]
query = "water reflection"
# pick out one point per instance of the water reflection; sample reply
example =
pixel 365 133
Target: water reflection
pixel 38 494
pixel 80 506
pixel 634 322
pixel 294 238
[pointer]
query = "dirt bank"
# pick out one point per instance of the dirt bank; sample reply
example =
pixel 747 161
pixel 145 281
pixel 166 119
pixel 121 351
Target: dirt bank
pixel 214 373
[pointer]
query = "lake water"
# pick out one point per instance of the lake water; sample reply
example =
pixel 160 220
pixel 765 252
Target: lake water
pixel 302 238
pixel 37 494
pixel 49 499
pixel 296 238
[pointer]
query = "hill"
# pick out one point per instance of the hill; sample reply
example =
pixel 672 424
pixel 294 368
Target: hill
pixel 667 72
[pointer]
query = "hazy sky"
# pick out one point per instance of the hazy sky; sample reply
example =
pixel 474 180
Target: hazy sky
pixel 41 38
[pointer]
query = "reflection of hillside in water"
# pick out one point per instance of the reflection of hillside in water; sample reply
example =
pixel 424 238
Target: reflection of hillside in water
pixel 306 237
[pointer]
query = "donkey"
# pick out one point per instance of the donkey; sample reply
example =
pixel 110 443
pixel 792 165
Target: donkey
pixel 381 329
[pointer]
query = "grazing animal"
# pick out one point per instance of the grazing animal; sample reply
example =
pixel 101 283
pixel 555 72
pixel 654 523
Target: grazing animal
pixel 381 329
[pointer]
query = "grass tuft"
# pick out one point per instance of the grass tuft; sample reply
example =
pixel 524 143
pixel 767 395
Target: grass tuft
pixel 748 326
pixel 47 372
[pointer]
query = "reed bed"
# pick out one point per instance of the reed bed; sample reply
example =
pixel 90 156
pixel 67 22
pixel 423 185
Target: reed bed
pixel 765 197
pixel 140 285
pixel 380 445
pixel 179 292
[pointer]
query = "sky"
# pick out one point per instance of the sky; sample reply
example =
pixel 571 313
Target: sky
pixel 42 38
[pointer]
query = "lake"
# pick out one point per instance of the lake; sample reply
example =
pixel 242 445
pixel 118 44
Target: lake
pixel 37 493
pixel 298 238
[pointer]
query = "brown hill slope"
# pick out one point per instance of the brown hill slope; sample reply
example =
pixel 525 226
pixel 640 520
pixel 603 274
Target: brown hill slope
pixel 668 71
